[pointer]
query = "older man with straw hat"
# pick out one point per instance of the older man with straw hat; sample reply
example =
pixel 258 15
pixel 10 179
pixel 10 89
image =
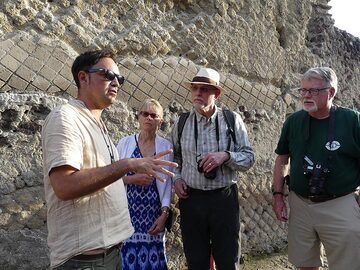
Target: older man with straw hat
pixel 210 145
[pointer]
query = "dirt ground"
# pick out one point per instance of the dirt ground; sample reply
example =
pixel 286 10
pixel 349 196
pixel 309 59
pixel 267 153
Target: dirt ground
pixel 275 261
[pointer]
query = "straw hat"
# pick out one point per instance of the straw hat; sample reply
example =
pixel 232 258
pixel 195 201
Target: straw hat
pixel 206 76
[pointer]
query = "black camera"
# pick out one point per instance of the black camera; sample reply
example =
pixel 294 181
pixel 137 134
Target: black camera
pixel 208 175
pixel 317 175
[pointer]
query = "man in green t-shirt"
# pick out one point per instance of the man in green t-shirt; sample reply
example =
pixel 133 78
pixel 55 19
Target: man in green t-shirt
pixel 321 143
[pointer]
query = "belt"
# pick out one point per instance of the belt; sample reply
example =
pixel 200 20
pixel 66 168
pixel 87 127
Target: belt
pixel 324 198
pixel 195 190
pixel 86 257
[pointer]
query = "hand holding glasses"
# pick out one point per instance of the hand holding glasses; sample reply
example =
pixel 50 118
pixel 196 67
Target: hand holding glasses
pixel 311 91
pixel 108 74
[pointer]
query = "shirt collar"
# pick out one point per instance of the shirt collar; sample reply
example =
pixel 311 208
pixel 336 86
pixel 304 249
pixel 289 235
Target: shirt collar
pixel 200 117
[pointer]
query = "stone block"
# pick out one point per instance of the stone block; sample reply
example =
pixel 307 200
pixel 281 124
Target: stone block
pixel 129 63
pixel 134 103
pixel 2 83
pixel 41 83
pixel 149 79
pixel 54 64
pixel 140 95
pixel 163 78
pixel 19 54
pixel 144 63
pixel 66 73
pixel 144 87
pixel 33 63
pixel 138 70
pixel 4 73
pixel 53 89
pixel 42 53
pixel 2 53
pixel 159 86
pixel 72 90
pixel 158 63
pixel 172 61
pixel 163 100
pixel 10 62
pixel 168 93
pixel 25 73
pixel 123 96
pixel 182 92
pixel 177 77
pixel 155 94
pixel 60 55
pixel 128 88
pixel 48 73
pixel 154 72
pixel 184 62
pixel 134 79
pixel 229 83
pixel 61 82
pixel 27 45
pixel 6 44
pixel 17 83
pixel 6 88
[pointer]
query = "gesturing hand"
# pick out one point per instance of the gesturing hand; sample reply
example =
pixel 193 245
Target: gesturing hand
pixel 153 166
pixel 140 179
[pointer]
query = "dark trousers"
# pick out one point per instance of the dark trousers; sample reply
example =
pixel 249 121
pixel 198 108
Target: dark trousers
pixel 111 261
pixel 210 223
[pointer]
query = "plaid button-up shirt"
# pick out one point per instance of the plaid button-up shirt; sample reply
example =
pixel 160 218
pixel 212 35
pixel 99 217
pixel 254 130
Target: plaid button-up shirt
pixel 241 153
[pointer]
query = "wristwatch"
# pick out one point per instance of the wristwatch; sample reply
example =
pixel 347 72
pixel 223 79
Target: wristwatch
pixel 276 192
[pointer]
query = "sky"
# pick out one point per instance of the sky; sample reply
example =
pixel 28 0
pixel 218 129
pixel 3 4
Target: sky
pixel 346 14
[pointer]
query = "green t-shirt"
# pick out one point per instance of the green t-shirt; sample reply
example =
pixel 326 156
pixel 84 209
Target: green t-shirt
pixel 344 166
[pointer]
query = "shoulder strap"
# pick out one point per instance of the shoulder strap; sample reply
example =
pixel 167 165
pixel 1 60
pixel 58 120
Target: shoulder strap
pixel 230 122
pixel 182 120
pixel 181 123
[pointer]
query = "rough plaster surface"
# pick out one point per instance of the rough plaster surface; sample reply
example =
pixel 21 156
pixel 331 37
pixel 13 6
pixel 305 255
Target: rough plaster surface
pixel 260 48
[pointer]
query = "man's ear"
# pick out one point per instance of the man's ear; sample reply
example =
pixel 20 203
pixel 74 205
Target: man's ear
pixel 217 93
pixel 332 92
pixel 82 76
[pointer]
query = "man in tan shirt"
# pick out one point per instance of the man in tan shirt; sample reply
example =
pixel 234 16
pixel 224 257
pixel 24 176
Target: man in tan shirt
pixel 88 214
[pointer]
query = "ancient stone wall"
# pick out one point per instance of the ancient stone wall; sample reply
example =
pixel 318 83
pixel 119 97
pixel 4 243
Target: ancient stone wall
pixel 259 47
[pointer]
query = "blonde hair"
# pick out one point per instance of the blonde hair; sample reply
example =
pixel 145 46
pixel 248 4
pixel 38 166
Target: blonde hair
pixel 152 102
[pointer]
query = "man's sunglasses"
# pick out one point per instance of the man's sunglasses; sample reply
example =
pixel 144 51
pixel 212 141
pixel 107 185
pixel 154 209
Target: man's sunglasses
pixel 108 74
pixel 152 115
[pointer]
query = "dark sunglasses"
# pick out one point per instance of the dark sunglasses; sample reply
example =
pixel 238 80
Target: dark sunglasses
pixel 108 74
pixel 152 115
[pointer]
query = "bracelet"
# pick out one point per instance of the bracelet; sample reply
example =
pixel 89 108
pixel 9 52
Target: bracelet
pixel 165 210
pixel 278 193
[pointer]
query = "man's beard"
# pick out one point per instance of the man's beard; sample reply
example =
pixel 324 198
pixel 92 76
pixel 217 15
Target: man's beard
pixel 310 109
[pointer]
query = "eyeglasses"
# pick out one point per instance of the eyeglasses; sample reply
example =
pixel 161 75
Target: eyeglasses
pixel 108 74
pixel 152 115
pixel 311 91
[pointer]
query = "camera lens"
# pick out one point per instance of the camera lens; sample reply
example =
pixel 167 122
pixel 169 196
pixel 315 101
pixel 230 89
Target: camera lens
pixel 211 175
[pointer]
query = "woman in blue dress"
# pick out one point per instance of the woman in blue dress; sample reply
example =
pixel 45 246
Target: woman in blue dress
pixel 148 198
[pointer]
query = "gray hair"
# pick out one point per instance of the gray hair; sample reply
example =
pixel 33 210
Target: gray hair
pixel 326 74
pixel 152 102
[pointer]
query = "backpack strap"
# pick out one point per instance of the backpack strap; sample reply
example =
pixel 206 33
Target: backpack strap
pixel 181 123
pixel 230 122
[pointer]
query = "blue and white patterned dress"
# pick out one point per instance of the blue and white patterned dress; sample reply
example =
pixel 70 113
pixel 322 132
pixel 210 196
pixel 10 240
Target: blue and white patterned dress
pixel 143 251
